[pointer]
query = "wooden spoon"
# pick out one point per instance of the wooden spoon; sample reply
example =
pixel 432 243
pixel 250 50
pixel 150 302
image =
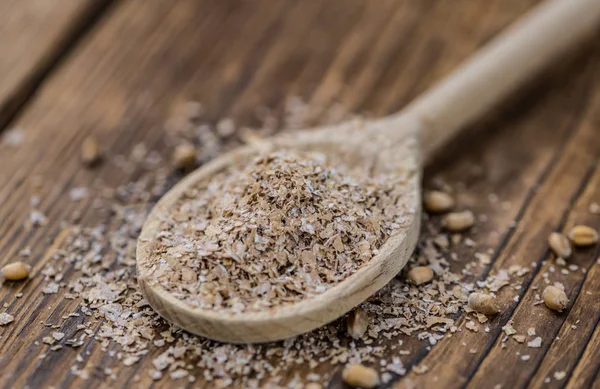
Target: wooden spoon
pixel 397 143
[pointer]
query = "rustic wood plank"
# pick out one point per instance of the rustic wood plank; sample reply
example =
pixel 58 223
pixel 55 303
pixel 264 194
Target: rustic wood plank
pixel 121 85
pixel 575 346
pixel 586 372
pixel 526 244
pixel 570 345
pixel 36 34
pixel 482 175
pixel 560 354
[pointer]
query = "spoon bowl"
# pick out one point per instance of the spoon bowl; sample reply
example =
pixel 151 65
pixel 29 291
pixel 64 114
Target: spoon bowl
pixel 291 319
pixel 394 145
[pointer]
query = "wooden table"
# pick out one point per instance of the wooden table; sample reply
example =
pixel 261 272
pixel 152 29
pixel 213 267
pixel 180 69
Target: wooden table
pixel 114 68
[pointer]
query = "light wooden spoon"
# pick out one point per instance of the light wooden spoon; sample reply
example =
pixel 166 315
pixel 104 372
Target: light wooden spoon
pixel 395 144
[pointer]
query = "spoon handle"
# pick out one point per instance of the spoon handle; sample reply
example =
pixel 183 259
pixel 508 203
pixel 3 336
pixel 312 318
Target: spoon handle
pixel 500 67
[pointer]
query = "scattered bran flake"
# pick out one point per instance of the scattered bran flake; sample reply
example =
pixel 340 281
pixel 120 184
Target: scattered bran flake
pixel 83 373
pixel 37 218
pixel 51 288
pixel 525 357
pixel 509 329
pixel 472 326
pixel 420 369
pixel 433 320
pixel 58 335
pixel 357 323
pixel 531 331
pixel 559 375
pixel 78 193
pixel 519 338
pixel 385 378
pixel 179 373
pixel 155 374
pixel 535 343
pixel 560 261
pixel 163 361
pixel 225 127
pixel 48 340
pixel 6 318
pixel 13 137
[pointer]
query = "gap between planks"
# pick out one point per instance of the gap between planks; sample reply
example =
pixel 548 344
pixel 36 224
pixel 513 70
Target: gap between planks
pixel 16 99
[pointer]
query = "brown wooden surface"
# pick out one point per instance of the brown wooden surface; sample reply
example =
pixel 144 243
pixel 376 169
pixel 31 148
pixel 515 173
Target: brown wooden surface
pixel 538 154
pixel 34 36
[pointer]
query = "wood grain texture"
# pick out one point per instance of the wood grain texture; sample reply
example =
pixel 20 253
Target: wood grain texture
pixel 543 214
pixel 34 35
pixel 537 155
